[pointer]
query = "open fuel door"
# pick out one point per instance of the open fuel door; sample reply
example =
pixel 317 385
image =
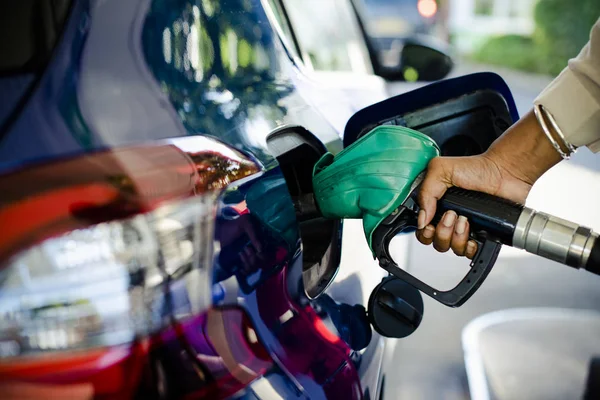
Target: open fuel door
pixel 463 115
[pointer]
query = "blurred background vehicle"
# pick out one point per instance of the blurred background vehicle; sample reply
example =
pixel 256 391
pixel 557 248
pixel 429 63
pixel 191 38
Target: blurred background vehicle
pixel 331 40
pixel 391 23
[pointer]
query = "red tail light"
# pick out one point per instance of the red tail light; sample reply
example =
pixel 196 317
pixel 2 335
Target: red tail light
pixel 89 248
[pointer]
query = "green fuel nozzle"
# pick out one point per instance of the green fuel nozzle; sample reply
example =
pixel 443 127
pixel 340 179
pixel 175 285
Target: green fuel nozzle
pixel 377 178
pixel 372 177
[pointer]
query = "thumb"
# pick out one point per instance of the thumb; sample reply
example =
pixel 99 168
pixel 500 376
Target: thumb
pixel 432 189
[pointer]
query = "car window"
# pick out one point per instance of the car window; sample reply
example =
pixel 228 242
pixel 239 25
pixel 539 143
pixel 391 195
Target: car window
pixel 283 22
pixel 329 36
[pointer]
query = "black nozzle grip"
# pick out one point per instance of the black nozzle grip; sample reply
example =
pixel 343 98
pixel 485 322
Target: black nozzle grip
pixel 492 220
pixel 490 215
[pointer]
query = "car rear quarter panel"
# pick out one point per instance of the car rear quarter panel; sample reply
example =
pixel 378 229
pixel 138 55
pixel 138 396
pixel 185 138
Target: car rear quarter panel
pixel 139 71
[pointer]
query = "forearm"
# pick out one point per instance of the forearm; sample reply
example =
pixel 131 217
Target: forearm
pixel 524 151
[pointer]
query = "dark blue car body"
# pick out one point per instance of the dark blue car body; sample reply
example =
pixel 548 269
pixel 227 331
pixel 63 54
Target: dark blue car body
pixel 154 155
pixel 136 73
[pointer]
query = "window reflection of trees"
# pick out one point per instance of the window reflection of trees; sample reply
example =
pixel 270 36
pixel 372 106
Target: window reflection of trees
pixel 216 61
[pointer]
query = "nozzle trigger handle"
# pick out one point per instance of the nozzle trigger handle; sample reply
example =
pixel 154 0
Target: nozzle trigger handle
pixel 492 222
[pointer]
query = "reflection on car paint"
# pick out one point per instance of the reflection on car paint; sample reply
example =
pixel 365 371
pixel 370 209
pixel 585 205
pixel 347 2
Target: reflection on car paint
pixel 217 65
pixel 253 86
pixel 302 344
pixel 93 188
pixel 219 72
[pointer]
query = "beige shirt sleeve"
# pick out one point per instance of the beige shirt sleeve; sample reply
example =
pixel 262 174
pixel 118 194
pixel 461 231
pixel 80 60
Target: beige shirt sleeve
pixel 573 98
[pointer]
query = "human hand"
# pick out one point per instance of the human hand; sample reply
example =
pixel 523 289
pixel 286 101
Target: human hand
pixel 508 169
pixel 481 173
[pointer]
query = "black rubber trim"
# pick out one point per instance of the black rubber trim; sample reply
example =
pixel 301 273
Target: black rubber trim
pixel 592 387
pixel 593 263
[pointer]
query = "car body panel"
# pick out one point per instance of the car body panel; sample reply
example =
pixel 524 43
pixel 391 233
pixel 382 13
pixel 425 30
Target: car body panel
pixel 150 72
pixel 141 72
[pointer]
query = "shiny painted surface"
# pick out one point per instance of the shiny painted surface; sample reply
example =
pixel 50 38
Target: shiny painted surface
pixel 91 295
pixel 52 198
pixel 140 71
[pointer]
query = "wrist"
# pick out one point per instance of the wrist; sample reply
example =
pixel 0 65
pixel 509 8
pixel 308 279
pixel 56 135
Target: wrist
pixel 523 151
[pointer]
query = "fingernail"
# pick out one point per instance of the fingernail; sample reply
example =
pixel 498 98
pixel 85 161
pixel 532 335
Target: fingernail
pixel 449 219
pixel 470 248
pixel 461 225
pixel 421 219
pixel 428 232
